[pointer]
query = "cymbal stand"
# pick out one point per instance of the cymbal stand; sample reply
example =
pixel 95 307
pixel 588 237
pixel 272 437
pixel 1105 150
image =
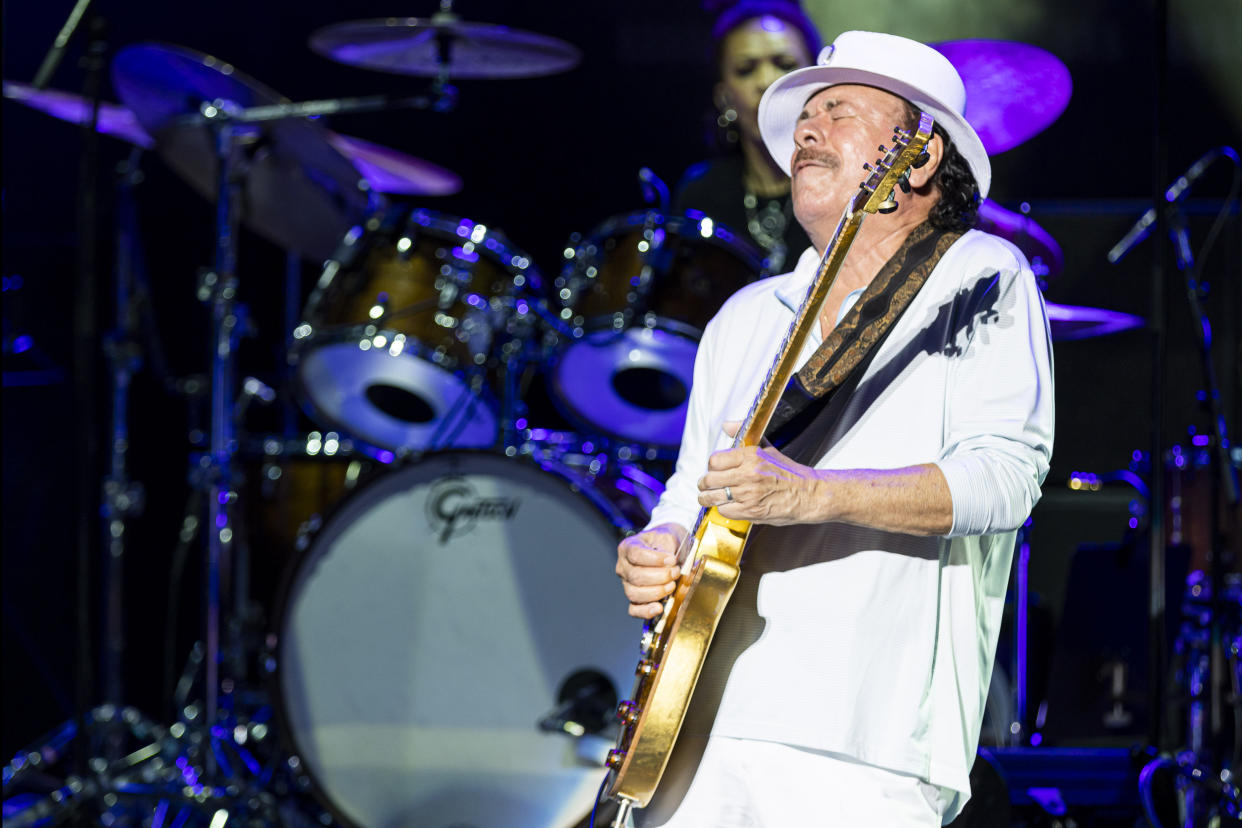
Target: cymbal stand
pixel 219 289
pixel 123 498
pixel 293 310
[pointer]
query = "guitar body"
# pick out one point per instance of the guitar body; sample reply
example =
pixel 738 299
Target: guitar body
pixel 673 650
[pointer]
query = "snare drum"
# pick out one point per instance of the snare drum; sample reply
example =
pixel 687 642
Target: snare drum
pixel 636 296
pixel 406 326
pixel 433 623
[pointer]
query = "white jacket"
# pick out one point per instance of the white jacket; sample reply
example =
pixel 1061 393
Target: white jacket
pixel 883 652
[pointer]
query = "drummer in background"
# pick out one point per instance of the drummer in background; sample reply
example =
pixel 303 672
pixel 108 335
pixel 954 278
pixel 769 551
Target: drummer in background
pixel 757 41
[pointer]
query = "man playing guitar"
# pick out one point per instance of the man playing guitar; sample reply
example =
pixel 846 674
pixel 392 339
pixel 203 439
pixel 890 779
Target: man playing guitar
pixel 847 679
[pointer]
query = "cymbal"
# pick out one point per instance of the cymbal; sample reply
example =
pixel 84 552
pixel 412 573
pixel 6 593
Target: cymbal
pixel 412 46
pixel 1069 322
pixel 393 172
pixel 298 191
pixel 386 170
pixel 1040 249
pixel 114 119
pixel 1013 90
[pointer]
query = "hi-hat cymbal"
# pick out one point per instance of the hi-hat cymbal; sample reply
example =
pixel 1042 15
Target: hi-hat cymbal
pixel 298 191
pixel 1013 90
pixel 1040 249
pixel 423 46
pixel 114 119
pixel 1070 322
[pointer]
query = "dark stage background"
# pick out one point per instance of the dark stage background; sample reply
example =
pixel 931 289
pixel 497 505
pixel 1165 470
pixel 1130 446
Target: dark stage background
pixel 541 159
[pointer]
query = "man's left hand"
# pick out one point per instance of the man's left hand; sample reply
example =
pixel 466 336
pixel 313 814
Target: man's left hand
pixel 762 485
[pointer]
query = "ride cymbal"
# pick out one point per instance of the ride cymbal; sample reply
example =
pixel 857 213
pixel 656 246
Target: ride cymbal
pixel 427 46
pixel 1070 322
pixel 1013 90
pixel 297 190
pixel 1040 249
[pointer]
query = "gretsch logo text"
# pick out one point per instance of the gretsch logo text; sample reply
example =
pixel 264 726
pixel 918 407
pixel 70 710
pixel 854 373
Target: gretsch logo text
pixel 454 508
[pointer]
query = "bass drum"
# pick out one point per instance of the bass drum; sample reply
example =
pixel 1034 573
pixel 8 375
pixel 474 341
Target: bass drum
pixel 430 634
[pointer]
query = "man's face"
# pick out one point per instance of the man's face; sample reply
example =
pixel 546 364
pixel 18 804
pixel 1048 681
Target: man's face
pixel 840 128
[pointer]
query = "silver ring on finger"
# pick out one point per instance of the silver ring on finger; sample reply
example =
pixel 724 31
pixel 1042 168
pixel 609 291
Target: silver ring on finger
pixel 728 495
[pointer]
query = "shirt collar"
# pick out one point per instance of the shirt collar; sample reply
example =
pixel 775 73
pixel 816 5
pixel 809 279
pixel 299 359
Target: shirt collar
pixel 793 291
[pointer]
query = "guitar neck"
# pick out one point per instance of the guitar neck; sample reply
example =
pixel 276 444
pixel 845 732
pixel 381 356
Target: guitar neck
pixel 764 406
pixel 883 179
pixel 750 433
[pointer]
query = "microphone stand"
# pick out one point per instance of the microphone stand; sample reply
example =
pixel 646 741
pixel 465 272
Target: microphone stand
pixel 1223 490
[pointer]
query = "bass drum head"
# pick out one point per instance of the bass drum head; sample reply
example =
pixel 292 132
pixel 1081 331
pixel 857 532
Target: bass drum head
pixel 426 632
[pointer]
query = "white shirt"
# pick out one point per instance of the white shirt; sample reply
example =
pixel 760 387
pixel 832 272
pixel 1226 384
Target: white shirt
pixel 883 651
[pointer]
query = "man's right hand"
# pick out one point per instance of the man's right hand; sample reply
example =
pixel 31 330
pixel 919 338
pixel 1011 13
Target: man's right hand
pixel 647 566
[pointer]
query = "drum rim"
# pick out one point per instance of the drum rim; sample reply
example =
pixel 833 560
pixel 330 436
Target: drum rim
pixel 729 238
pixel 560 400
pixel 288 577
pixel 416 348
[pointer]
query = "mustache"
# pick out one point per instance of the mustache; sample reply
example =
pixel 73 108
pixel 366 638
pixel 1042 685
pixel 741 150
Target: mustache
pixel 816 156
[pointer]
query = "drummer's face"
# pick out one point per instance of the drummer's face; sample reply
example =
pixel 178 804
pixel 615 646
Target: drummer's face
pixel 752 56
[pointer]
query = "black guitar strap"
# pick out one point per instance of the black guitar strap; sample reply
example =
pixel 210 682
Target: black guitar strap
pixel 844 355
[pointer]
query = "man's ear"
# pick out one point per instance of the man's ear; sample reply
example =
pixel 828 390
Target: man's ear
pixel 920 177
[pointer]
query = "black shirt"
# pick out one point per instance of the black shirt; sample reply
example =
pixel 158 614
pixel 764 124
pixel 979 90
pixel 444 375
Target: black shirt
pixel 716 188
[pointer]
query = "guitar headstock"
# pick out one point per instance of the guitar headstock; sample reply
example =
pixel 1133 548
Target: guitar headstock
pixel 877 193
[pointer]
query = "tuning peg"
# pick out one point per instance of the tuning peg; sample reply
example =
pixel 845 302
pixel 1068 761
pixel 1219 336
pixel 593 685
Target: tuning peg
pixel 921 160
pixel 868 167
pixel 889 204
pixel 883 148
pixel 903 181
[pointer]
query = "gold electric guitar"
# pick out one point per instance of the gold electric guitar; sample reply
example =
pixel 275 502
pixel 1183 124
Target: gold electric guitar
pixel 675 644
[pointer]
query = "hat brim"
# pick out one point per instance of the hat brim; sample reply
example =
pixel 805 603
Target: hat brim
pixel 783 101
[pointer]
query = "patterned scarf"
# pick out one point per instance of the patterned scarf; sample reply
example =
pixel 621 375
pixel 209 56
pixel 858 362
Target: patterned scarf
pixel 842 358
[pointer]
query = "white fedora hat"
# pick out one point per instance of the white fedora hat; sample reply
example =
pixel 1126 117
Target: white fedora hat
pixel 905 67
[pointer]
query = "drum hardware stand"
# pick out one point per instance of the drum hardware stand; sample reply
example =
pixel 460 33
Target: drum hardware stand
pixel 293 300
pixel 1207 749
pixel 123 498
pixel 1019 727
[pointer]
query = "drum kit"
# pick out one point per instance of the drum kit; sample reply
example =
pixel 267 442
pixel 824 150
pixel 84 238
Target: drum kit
pixel 448 638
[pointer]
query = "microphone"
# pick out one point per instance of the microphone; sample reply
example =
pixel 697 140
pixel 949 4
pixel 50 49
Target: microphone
pixel 585 702
pixel 655 191
pixel 1176 191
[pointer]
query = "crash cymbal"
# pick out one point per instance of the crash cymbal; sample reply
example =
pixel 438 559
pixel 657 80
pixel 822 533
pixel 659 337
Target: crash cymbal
pixel 114 120
pixel 386 170
pixel 1040 249
pixel 423 46
pixel 297 190
pixel 1070 322
pixel 392 172
pixel 1013 90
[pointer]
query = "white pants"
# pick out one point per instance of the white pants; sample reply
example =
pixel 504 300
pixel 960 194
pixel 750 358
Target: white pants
pixel 742 783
